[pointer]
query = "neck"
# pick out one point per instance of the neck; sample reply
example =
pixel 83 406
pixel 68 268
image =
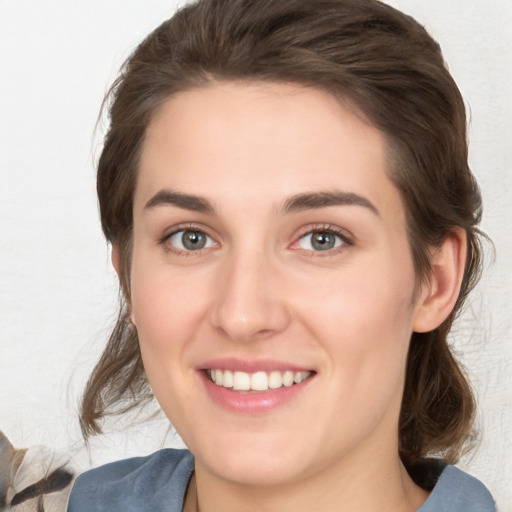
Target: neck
pixel 375 487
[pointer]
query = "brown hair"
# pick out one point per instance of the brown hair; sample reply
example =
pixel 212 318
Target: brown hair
pixel 363 51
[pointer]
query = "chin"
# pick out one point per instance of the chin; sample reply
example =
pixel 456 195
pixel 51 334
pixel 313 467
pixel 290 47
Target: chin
pixel 258 459
pixel 256 469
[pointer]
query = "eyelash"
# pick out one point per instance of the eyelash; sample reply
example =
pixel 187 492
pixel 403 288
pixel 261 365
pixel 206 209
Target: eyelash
pixel 345 239
pixel 168 247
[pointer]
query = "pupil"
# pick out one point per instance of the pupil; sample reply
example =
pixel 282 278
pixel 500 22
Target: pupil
pixel 322 241
pixel 193 240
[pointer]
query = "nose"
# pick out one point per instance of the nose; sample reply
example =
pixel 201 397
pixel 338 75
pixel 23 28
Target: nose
pixel 249 302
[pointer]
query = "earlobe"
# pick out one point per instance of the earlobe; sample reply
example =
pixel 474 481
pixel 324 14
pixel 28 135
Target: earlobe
pixel 440 293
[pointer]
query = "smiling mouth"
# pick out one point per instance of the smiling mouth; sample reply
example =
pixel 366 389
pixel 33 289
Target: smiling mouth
pixel 257 381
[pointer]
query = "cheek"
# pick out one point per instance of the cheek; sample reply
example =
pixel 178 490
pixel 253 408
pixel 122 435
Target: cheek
pixel 165 307
pixel 157 284
pixel 366 322
pixel 165 311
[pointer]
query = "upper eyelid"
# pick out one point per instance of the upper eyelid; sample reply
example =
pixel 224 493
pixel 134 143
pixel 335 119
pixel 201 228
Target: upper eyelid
pixel 170 232
pixel 188 226
pixel 165 240
pixel 348 240
pixel 329 228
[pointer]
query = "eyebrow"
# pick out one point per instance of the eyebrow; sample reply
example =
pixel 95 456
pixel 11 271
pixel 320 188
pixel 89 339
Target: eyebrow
pixel 316 200
pixel 296 203
pixel 185 201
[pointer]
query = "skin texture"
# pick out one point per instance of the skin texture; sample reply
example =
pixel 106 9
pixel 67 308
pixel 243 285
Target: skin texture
pixel 259 291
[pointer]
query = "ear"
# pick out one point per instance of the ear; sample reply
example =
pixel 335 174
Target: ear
pixel 440 293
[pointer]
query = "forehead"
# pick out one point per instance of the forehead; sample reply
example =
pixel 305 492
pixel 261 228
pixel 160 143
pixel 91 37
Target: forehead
pixel 246 141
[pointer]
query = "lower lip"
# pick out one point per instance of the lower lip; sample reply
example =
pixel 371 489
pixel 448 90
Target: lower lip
pixel 253 402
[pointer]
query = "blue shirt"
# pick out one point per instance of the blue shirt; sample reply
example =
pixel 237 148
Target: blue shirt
pixel 159 482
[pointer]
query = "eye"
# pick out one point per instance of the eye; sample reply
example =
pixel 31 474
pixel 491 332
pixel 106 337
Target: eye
pixel 190 240
pixel 320 241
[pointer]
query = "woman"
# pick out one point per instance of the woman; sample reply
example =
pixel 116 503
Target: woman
pixel 294 225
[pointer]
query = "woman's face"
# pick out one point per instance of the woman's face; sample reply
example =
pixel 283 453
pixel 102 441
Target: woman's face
pixel 270 247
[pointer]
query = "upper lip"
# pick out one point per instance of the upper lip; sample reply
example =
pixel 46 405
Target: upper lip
pixel 251 365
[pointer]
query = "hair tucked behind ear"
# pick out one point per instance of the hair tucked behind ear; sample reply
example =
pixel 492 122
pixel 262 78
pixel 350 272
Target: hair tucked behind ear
pixel 437 402
pixel 362 52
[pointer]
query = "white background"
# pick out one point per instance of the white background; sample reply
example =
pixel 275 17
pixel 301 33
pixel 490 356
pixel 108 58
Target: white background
pixel 58 293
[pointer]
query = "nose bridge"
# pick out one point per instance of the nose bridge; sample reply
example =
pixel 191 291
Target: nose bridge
pixel 248 301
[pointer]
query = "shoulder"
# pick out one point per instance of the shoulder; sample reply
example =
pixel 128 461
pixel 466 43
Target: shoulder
pixel 456 491
pixel 142 483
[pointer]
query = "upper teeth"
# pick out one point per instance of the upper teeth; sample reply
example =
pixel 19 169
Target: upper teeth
pixel 259 381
